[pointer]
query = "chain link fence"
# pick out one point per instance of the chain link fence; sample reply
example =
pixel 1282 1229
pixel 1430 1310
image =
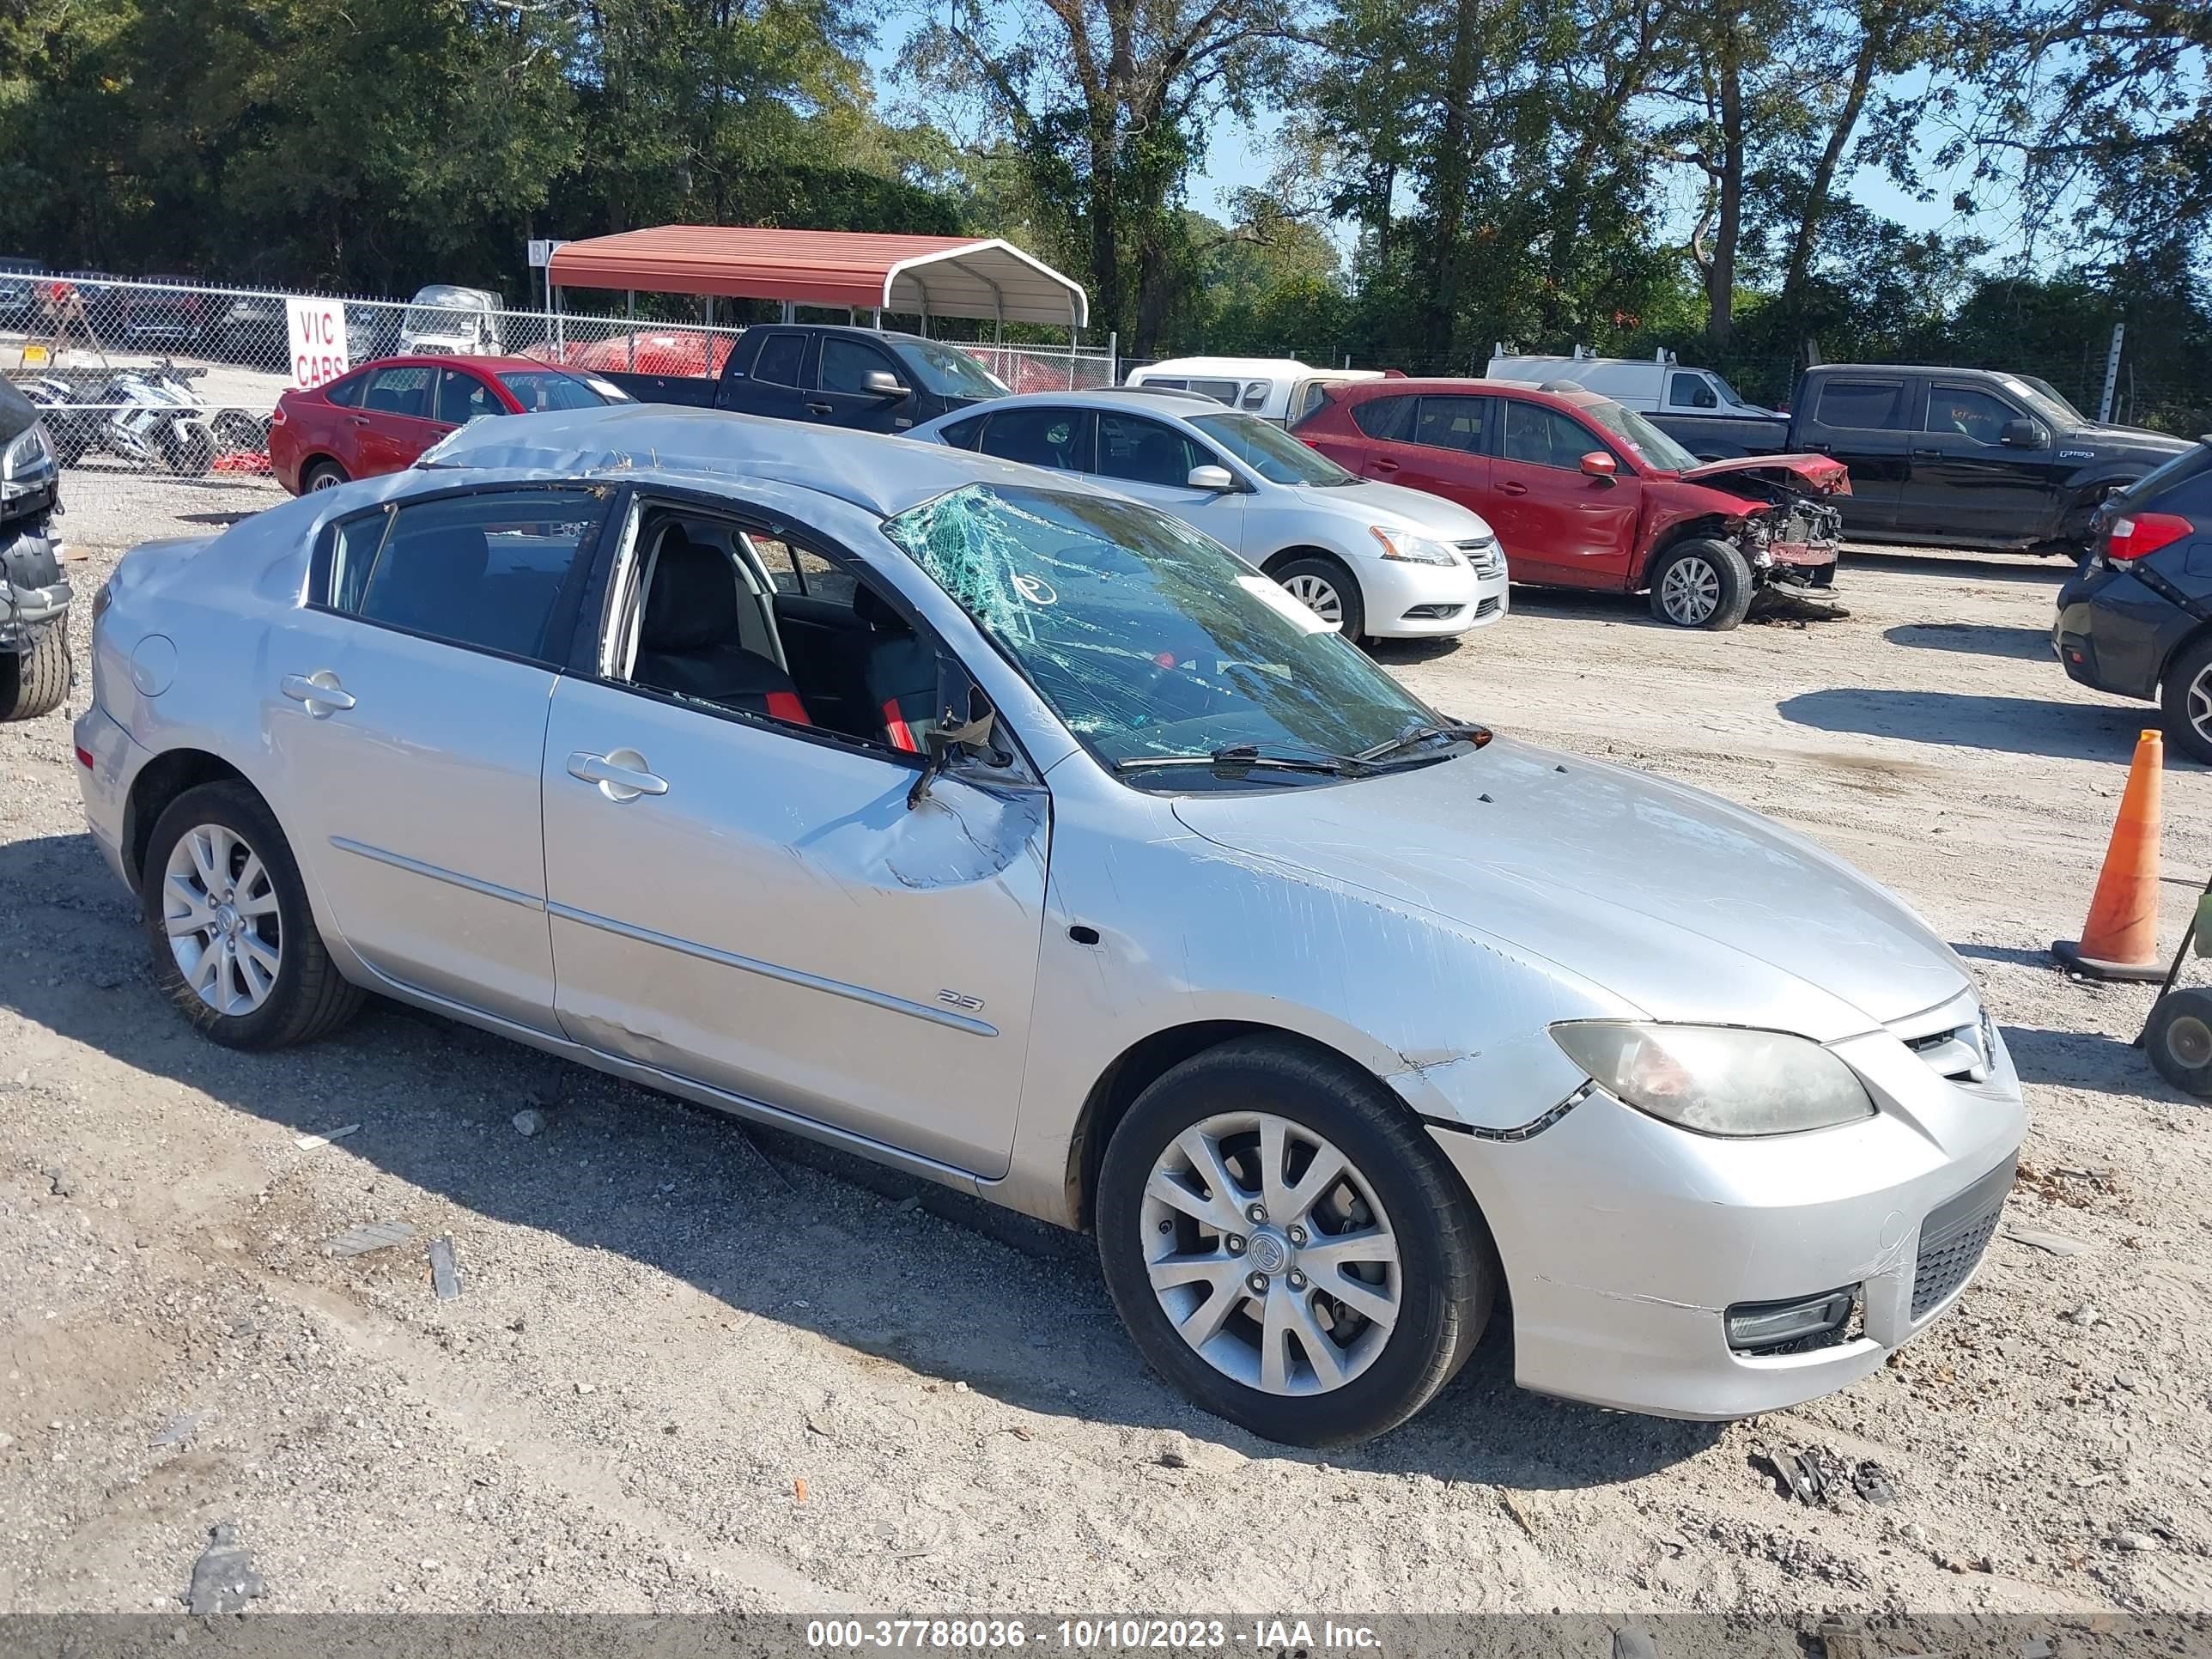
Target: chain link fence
pixel 181 377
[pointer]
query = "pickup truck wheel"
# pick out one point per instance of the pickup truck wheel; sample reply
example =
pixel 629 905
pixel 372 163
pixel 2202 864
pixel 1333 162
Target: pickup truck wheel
pixel 233 941
pixel 1328 590
pixel 1701 583
pixel 1287 1247
pixel 2185 700
pixel 34 681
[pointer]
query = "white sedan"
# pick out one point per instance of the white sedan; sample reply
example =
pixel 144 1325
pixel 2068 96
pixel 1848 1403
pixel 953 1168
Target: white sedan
pixel 1371 560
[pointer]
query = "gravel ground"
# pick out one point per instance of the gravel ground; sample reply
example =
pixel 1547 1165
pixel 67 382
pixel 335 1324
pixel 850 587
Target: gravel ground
pixel 689 1370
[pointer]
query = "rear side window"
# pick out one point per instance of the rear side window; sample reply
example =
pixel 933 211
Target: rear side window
pixel 847 364
pixel 1868 406
pixel 1390 419
pixel 486 570
pixel 779 358
pixel 346 393
pixel 1058 438
pixel 1221 392
pixel 404 391
pixel 1543 437
pixel 1451 423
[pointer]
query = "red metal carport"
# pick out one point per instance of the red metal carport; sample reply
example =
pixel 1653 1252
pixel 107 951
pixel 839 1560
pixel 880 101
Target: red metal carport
pixel 923 275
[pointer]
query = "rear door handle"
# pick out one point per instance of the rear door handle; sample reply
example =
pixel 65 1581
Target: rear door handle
pixel 620 775
pixel 1384 463
pixel 319 690
pixel 1817 449
pixel 358 420
pixel 1508 487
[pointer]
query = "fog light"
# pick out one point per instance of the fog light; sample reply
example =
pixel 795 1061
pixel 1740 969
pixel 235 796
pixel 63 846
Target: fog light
pixel 1759 1325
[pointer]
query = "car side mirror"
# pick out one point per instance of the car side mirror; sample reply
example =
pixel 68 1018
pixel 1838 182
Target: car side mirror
pixel 1219 479
pixel 2023 434
pixel 964 724
pixel 1599 465
pixel 882 383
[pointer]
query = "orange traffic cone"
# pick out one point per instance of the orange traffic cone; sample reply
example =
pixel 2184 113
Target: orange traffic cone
pixel 2120 939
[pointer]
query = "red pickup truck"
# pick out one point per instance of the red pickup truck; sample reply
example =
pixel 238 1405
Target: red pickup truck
pixel 1583 492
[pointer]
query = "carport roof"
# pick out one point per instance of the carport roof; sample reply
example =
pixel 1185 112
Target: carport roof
pixel 930 276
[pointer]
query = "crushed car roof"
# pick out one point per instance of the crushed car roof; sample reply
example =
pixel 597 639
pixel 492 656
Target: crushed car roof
pixel 883 475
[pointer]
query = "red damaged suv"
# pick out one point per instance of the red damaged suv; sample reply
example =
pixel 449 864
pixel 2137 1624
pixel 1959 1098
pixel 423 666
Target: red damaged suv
pixel 1583 492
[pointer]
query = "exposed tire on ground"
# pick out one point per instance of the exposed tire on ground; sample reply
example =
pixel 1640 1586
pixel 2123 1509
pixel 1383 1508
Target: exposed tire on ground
pixel 233 942
pixel 1701 583
pixel 1327 589
pixel 2178 1040
pixel 187 449
pixel 2184 699
pixel 1288 1248
pixel 33 683
pixel 323 475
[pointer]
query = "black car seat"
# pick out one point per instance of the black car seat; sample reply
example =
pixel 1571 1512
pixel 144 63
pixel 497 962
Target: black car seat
pixel 899 673
pixel 691 643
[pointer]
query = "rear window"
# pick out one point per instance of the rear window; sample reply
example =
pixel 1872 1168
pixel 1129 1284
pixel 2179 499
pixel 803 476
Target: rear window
pixel 2183 485
pixel 1869 405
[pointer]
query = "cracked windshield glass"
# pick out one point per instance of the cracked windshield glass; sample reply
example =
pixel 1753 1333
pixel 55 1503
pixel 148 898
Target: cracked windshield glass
pixel 1148 638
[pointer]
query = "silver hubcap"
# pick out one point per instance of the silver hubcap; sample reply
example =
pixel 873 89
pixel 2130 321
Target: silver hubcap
pixel 325 481
pixel 219 909
pixel 1690 591
pixel 1270 1254
pixel 1319 595
pixel 2200 703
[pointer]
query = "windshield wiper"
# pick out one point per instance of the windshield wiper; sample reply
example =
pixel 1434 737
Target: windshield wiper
pixel 1248 757
pixel 1457 730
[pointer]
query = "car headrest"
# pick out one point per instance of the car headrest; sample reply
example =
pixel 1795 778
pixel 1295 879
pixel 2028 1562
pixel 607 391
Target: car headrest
pixel 871 608
pixel 694 601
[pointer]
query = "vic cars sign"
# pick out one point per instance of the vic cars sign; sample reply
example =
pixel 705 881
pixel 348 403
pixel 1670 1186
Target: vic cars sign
pixel 318 331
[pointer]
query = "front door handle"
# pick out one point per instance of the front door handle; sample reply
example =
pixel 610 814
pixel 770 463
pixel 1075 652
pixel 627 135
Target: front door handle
pixel 822 410
pixel 1508 487
pixel 620 775
pixel 1928 454
pixel 319 690
pixel 1817 449
pixel 1384 463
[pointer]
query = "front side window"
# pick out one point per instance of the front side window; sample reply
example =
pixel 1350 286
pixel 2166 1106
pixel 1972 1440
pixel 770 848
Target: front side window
pixel 482 570
pixel 1147 638
pixel 1144 451
pixel 1691 392
pixel 1058 438
pixel 1967 411
pixel 541 389
pixel 462 398
pixel 1539 436
pixel 1451 423
pixel 847 364
pixel 1271 451
pixel 404 391
pixel 1865 405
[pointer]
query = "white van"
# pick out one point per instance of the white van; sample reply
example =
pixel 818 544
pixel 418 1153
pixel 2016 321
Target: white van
pixel 443 320
pixel 1278 389
pixel 1650 386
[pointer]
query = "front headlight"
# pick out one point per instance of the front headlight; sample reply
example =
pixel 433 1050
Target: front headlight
pixel 1715 1079
pixel 26 465
pixel 1411 548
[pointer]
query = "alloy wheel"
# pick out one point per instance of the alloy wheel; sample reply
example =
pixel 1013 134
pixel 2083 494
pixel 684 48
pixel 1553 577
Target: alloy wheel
pixel 1689 591
pixel 1270 1254
pixel 1318 595
pixel 325 479
pixel 2200 703
pixel 219 909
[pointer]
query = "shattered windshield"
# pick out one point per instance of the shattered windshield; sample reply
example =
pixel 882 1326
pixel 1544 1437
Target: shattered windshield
pixel 1147 638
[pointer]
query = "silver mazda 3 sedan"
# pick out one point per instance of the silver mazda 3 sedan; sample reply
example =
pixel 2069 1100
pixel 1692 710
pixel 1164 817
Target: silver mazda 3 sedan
pixel 1009 832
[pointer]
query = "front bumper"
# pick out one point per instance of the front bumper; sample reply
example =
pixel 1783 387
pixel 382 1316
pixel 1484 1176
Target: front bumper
pixel 1626 1240
pixel 1409 601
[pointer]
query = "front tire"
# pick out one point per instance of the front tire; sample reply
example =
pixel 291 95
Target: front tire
pixel 1328 590
pixel 234 940
pixel 1287 1247
pixel 1701 583
pixel 34 681
pixel 2185 701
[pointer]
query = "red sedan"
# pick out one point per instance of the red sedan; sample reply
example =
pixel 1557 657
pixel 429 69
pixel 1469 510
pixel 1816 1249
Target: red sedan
pixel 383 415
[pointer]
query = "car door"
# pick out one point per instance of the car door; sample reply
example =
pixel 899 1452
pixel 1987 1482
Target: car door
pixel 403 705
pixel 1864 418
pixel 757 907
pixel 774 385
pixel 1557 523
pixel 393 424
pixel 840 395
pixel 1153 461
pixel 1965 480
pixel 1439 449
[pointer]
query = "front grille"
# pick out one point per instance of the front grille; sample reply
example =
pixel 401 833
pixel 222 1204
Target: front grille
pixel 1954 1237
pixel 1484 557
pixel 1955 1040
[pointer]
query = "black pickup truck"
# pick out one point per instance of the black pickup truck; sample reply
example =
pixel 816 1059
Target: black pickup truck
pixel 862 378
pixel 1945 457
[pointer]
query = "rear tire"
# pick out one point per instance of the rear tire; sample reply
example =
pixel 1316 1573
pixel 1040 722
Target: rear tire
pixel 1701 583
pixel 2185 700
pixel 1325 588
pixel 35 681
pixel 233 941
pixel 323 475
pixel 1261 1116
